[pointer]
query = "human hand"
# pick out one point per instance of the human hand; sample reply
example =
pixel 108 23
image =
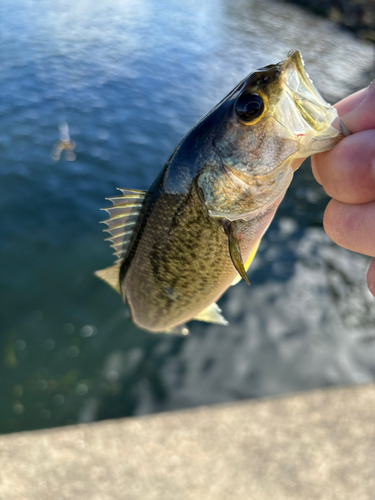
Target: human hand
pixel 347 174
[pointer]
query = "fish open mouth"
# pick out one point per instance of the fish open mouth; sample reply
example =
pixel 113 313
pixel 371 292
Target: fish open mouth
pixel 303 111
pixel 318 114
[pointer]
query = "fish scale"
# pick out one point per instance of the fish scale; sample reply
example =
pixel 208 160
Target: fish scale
pixel 165 260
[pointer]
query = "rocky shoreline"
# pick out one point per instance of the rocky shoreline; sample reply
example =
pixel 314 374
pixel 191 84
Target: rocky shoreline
pixel 356 15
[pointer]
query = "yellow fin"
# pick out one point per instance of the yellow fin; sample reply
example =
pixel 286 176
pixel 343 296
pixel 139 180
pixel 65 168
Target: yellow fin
pixel 248 262
pixel 111 276
pixel 212 314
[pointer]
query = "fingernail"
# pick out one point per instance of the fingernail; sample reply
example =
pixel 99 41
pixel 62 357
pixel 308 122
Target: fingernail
pixel 368 93
pixel 344 129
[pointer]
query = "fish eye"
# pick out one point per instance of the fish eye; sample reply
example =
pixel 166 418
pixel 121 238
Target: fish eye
pixel 249 106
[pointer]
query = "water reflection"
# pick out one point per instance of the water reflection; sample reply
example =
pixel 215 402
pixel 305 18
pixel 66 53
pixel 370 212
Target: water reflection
pixel 131 78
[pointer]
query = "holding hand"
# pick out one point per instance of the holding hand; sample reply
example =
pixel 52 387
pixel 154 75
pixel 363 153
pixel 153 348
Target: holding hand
pixel 347 174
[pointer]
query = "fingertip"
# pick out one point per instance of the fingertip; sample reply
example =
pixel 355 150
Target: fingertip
pixel 351 226
pixel 340 221
pixel 315 164
pixel 330 220
pixel 347 172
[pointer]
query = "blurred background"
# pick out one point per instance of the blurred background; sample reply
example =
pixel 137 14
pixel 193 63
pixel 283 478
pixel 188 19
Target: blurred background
pixel 130 78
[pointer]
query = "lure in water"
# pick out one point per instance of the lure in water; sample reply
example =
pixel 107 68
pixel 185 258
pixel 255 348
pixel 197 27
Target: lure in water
pixel 194 233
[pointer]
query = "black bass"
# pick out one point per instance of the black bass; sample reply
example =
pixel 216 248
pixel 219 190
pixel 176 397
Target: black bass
pixel 194 233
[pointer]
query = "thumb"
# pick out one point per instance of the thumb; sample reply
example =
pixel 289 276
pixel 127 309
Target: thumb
pixel 362 117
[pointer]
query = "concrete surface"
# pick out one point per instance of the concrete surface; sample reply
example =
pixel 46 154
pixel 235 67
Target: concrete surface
pixel 319 445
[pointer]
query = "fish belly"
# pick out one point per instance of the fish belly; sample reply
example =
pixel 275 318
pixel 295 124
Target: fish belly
pixel 177 271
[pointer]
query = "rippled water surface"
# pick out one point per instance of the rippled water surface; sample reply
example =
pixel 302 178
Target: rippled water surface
pixel 130 78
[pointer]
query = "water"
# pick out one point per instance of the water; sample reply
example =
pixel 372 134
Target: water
pixel 130 78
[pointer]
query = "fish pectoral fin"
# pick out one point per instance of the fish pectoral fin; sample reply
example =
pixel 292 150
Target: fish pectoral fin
pixel 212 314
pixel 111 276
pixel 248 262
pixel 235 252
pixel 178 330
pixel 123 218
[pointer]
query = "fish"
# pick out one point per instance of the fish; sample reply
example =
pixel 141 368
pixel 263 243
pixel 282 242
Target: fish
pixel 180 245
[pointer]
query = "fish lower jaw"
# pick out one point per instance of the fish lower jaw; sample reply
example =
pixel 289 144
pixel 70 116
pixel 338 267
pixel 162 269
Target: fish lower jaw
pixel 313 144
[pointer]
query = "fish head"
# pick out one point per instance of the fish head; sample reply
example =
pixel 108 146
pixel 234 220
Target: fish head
pixel 272 117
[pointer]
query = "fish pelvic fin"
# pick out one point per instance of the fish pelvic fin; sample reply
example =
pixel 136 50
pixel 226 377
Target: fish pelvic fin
pixel 212 314
pixel 235 252
pixel 111 276
pixel 123 218
pixel 178 330
pixel 248 262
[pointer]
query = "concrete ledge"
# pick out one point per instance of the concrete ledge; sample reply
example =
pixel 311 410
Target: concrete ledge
pixel 319 445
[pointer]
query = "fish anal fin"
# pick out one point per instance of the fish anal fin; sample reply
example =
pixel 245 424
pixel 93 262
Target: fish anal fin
pixel 123 217
pixel 235 252
pixel 212 314
pixel 111 276
pixel 248 262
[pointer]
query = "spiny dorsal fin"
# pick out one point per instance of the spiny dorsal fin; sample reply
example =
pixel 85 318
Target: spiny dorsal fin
pixel 250 259
pixel 123 217
pixel 111 275
pixel 212 314
pixel 235 252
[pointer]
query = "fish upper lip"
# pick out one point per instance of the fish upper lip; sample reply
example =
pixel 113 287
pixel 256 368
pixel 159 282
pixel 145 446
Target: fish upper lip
pixel 294 64
pixel 313 108
pixel 295 56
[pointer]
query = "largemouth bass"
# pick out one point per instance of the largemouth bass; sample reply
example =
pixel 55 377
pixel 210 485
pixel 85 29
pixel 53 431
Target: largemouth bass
pixel 194 233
